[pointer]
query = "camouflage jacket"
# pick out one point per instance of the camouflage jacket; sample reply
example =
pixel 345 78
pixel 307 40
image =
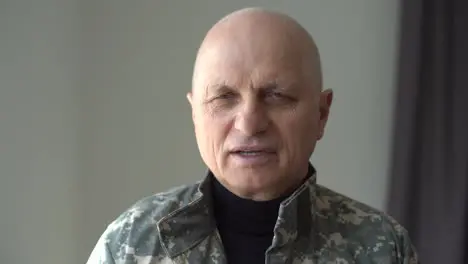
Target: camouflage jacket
pixel 314 225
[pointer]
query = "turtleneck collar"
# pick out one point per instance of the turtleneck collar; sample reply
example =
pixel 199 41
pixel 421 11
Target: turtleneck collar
pixel 243 215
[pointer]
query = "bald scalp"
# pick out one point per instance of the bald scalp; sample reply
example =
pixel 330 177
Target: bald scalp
pixel 279 34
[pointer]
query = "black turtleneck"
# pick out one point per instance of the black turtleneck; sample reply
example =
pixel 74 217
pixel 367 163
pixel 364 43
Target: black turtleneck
pixel 246 226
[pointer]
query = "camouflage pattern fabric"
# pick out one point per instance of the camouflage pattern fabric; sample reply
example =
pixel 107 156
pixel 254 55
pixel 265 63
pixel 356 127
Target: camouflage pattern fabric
pixel 314 225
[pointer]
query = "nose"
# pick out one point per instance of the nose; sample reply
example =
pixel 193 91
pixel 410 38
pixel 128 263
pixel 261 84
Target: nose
pixel 252 118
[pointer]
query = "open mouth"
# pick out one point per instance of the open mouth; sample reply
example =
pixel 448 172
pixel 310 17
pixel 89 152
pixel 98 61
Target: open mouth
pixel 253 157
pixel 252 152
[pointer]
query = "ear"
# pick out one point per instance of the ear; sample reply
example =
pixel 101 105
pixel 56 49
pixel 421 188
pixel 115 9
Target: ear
pixel 326 99
pixel 189 98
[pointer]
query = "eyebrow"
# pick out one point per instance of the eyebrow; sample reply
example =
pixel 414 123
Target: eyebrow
pixel 221 87
pixel 215 89
pixel 272 86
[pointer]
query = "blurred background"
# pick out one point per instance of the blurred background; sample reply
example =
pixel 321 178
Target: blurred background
pixel 93 113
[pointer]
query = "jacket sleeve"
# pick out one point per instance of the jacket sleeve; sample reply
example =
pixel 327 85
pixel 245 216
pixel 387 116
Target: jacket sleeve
pixel 101 253
pixel 409 254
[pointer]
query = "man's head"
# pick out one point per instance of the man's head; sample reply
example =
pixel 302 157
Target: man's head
pixel 257 102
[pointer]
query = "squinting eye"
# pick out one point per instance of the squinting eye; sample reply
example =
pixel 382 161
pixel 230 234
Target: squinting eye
pixel 277 96
pixel 226 96
pixel 281 98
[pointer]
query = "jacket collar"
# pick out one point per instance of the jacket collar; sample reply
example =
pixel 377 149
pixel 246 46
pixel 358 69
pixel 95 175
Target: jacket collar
pixel 193 221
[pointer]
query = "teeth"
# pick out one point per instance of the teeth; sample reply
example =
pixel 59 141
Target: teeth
pixel 249 152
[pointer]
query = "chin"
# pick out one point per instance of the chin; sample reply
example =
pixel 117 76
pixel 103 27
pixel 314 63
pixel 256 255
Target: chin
pixel 256 173
pixel 252 180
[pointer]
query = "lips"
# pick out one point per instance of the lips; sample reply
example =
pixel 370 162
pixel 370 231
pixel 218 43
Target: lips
pixel 249 156
pixel 252 154
pixel 253 150
pixel 249 153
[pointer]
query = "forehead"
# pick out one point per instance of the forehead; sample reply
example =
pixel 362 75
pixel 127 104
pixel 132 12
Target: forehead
pixel 238 64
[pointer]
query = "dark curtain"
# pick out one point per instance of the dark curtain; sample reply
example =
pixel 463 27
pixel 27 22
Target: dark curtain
pixel 429 172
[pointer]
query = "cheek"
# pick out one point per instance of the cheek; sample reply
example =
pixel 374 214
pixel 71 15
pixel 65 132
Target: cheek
pixel 215 128
pixel 298 130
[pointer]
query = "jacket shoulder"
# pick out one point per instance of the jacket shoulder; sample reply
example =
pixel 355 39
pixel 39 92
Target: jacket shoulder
pixel 348 211
pixel 134 233
pixel 361 228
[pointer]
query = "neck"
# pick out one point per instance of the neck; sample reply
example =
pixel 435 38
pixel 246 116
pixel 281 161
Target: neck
pixel 244 215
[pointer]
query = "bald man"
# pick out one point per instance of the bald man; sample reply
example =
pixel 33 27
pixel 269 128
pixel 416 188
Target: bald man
pixel 258 109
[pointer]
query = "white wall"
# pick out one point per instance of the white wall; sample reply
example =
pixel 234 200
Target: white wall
pixel 93 120
pixel 39 159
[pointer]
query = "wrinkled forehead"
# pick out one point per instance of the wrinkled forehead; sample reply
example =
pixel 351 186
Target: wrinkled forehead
pixel 256 61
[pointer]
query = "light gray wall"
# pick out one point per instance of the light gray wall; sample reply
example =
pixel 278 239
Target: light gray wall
pixel 94 115
pixel 39 156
